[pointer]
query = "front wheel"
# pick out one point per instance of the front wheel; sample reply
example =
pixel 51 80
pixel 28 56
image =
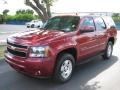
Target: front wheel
pixel 108 50
pixel 64 68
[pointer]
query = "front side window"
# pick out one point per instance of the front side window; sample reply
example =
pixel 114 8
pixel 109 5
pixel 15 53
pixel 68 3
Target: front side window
pixel 100 25
pixel 87 24
pixel 62 23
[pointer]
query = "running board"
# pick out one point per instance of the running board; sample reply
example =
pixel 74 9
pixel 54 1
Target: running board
pixel 89 59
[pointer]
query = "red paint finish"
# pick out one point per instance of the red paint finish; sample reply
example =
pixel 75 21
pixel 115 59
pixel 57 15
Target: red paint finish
pixel 86 44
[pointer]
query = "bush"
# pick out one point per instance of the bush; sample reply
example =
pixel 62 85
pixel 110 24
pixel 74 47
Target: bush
pixel 116 19
pixel 1 19
pixel 24 17
pixel 20 17
pixel 9 18
pixel 2 49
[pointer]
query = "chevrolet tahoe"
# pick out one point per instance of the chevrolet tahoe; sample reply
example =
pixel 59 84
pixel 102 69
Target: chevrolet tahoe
pixel 62 43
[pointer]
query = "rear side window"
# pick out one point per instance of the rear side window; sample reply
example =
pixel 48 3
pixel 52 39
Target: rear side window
pixel 99 23
pixel 109 22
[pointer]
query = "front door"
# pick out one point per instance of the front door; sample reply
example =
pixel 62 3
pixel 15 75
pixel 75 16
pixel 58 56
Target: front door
pixel 87 42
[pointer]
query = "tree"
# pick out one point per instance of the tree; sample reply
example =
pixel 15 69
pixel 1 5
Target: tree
pixel 30 11
pixel 116 17
pixel 5 12
pixel 24 15
pixel 42 7
pixel 1 19
pixel 115 14
pixel 21 11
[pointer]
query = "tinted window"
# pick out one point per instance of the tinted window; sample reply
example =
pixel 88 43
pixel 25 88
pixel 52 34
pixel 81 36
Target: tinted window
pixel 100 25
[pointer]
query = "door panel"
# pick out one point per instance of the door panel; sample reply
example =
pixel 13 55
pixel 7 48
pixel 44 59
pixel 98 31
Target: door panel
pixel 87 45
pixel 102 38
pixel 87 41
pixel 101 32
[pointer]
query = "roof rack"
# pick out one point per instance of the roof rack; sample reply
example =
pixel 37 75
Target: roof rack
pixel 84 13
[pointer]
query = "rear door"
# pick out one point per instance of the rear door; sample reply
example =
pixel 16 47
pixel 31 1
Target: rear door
pixel 101 33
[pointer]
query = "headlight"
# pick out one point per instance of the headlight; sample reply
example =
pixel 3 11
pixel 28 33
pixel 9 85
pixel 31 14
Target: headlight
pixel 38 52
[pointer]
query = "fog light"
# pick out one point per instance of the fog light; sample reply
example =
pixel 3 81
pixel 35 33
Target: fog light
pixel 38 73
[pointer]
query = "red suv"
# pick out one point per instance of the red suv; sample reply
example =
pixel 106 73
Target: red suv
pixel 63 42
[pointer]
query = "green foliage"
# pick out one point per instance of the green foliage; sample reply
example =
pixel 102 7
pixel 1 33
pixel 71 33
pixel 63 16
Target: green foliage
pixel 2 49
pixel 116 14
pixel 1 19
pixel 36 17
pixel 9 17
pixel 30 11
pixel 22 11
pixel 24 17
pixel 5 12
pixel 116 17
pixel 48 2
pixel 20 17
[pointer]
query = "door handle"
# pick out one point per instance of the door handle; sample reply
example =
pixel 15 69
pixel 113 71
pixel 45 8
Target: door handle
pixel 96 36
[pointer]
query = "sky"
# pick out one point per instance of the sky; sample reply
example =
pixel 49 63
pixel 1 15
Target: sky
pixel 68 6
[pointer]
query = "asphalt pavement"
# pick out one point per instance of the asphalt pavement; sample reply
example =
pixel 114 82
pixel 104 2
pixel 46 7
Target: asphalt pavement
pixel 7 30
pixel 98 74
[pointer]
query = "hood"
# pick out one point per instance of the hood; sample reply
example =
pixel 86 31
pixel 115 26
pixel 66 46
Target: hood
pixel 35 36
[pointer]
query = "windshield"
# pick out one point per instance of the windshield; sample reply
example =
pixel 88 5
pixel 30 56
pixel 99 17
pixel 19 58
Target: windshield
pixel 62 23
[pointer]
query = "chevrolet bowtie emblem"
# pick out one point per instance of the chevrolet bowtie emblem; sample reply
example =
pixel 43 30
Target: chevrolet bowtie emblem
pixel 12 47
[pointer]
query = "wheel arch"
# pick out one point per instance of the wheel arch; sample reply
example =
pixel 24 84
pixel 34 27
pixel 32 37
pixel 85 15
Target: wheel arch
pixel 112 39
pixel 71 51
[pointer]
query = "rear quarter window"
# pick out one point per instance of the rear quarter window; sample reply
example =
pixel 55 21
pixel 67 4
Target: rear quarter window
pixel 100 24
pixel 109 22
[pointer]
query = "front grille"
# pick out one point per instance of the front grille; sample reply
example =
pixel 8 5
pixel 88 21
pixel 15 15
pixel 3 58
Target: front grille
pixel 17 49
pixel 17 53
pixel 16 45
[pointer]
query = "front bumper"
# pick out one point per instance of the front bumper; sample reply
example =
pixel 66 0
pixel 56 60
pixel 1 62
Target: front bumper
pixel 35 67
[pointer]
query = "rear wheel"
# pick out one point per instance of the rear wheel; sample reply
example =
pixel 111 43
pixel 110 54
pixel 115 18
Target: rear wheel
pixel 28 26
pixel 108 50
pixel 38 26
pixel 64 68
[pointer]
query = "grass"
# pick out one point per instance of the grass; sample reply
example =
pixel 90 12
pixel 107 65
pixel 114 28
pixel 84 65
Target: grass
pixel 2 48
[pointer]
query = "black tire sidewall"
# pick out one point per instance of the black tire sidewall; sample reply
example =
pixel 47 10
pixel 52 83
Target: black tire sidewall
pixel 106 51
pixel 32 26
pixel 61 59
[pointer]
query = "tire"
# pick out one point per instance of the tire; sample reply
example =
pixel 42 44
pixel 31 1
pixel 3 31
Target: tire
pixel 28 26
pixel 32 26
pixel 38 26
pixel 64 68
pixel 108 51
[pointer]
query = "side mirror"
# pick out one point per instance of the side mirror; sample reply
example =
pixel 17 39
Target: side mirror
pixel 87 29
